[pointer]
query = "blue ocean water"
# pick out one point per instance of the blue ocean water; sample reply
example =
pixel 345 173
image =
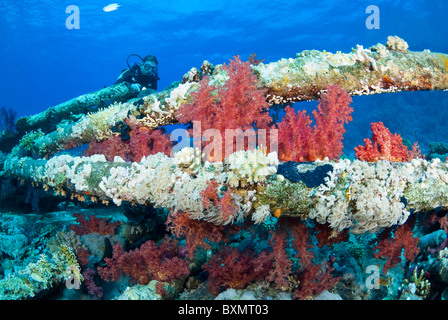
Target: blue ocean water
pixel 44 63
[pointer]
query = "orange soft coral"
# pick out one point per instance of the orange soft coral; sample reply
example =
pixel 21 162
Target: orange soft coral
pixel 385 146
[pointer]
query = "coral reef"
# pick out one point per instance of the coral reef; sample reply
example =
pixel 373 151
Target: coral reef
pixel 148 219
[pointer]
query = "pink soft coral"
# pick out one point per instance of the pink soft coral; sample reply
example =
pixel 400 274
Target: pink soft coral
pixel 385 146
pixel 299 142
pixel 238 104
pixel 143 142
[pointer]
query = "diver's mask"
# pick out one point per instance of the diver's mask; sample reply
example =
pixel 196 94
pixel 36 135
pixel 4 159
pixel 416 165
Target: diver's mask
pixel 149 68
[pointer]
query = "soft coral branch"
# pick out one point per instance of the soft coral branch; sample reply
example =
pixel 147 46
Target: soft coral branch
pixel 234 268
pixel 299 142
pixel 143 141
pixel 391 248
pixel 197 233
pixel 385 146
pixel 146 263
pixel 94 224
pixel 238 104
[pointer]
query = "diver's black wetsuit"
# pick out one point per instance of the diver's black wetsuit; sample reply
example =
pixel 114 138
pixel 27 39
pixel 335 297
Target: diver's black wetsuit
pixel 134 75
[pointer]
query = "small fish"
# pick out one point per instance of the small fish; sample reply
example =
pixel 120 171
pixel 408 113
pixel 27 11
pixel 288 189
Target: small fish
pixel 111 7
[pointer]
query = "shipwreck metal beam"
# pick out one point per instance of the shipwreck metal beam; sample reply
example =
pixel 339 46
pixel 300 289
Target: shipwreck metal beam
pixel 354 195
pixel 51 117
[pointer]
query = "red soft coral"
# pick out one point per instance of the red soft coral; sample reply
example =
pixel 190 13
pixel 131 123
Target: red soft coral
pixel 314 280
pixel 233 268
pixel 325 235
pixel 385 146
pixel 197 233
pixel 210 195
pixel 308 279
pixel 301 242
pixel 110 147
pixel 282 266
pixel 113 269
pixel 146 263
pixel 294 134
pixel 89 282
pixel 391 248
pixel 332 113
pixel 238 104
pixel 228 207
pixel 226 204
pixel 145 142
pixel 94 225
pixel 299 142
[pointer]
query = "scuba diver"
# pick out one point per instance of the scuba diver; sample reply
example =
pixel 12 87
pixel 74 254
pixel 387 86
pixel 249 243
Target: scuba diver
pixel 143 75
